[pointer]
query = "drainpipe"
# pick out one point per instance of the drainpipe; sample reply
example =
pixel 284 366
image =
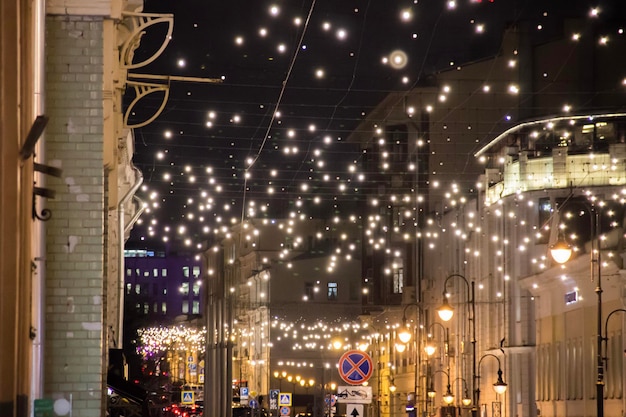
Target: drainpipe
pixel 38 232
pixel 122 233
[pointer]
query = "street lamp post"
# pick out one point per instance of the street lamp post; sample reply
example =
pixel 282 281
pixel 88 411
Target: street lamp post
pixel 405 337
pixel 445 313
pixel 430 349
pixel 499 386
pixel 448 397
pixel 561 254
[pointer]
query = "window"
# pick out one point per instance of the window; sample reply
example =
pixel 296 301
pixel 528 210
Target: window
pixel 186 271
pixel 332 290
pixel 146 308
pixel 196 271
pixel 155 272
pixel 129 288
pixel 164 290
pixel 545 212
pixel 129 272
pixel 146 273
pixel 184 288
pixel 163 272
pixel 196 307
pixel 196 288
pixel 163 307
pixel 398 280
pixel 137 289
pixel 155 307
pixel 185 307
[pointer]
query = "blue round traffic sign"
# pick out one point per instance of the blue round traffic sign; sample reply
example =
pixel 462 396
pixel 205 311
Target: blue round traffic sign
pixel 355 367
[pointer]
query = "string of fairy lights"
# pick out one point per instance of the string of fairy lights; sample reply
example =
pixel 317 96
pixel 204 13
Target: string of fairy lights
pixel 301 335
pixel 212 211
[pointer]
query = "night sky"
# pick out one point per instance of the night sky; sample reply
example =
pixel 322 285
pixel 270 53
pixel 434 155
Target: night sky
pixel 297 78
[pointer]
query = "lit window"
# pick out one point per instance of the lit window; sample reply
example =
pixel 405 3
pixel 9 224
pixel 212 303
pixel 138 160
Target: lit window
pixel 185 307
pixel 186 271
pixel 155 272
pixel 129 288
pixel 196 271
pixel 163 272
pixel 129 272
pixel 196 289
pixel 332 290
pixel 164 307
pixel 196 307
pixel 184 288
pixel 398 277
pixel 137 289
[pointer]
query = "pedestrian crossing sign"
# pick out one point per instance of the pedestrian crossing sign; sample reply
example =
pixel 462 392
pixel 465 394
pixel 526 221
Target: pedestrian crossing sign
pixel 186 397
pixel 284 399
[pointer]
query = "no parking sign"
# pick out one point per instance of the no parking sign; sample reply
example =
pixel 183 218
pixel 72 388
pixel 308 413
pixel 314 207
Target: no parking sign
pixel 355 367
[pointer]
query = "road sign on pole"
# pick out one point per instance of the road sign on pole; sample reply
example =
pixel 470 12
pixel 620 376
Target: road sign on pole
pixel 354 410
pixel 355 367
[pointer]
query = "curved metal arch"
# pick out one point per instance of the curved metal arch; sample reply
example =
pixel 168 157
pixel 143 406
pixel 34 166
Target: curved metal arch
pixel 139 22
pixel 143 89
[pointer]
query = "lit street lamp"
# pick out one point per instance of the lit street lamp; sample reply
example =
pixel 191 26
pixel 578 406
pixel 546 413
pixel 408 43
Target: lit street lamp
pixel 561 253
pixel 448 396
pixel 446 312
pixel 499 386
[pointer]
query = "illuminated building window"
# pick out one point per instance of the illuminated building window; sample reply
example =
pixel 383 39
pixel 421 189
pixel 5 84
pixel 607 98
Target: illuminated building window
pixel 184 288
pixel 163 272
pixel 196 307
pixel 129 288
pixel 196 271
pixel 332 290
pixel 155 272
pixel 185 307
pixel 196 288
pixel 129 272
pixel 398 279
pixel 164 308
pixel 186 271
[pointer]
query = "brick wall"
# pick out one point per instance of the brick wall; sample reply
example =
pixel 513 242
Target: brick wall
pixel 74 357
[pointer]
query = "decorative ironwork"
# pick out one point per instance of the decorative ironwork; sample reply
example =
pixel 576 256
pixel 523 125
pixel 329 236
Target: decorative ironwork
pixel 138 23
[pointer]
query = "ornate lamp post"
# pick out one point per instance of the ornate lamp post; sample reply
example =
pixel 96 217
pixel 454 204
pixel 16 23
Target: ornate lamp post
pixel 561 252
pixel 448 396
pixel 405 336
pixel 446 312
pixel 499 386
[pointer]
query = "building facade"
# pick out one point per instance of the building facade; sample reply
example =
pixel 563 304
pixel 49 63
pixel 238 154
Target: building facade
pixel 273 282
pixel 68 178
pixel 484 231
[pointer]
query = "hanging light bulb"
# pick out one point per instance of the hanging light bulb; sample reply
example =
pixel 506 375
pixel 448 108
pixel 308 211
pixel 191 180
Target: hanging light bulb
pixel 448 397
pixel 561 251
pixel 445 311
pixel 404 335
pixel 499 386
pixel 466 399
